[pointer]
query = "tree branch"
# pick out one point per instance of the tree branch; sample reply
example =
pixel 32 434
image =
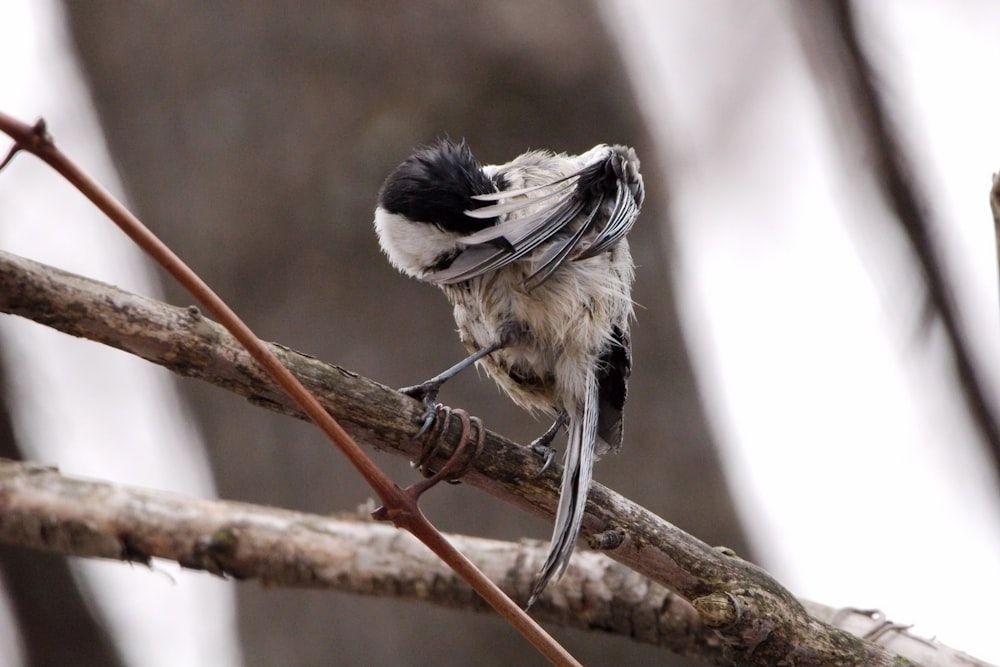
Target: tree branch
pixel 43 509
pixel 760 622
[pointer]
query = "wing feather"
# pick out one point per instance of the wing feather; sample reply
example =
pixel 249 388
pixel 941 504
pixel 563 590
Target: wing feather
pixel 546 213
pixel 557 253
pixel 619 225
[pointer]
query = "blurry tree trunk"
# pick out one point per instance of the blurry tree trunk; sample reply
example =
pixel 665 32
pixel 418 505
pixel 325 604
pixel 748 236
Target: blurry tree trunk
pixel 254 138
pixel 833 45
pixel 56 626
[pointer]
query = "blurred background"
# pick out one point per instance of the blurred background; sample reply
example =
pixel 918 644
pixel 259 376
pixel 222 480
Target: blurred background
pixel 794 395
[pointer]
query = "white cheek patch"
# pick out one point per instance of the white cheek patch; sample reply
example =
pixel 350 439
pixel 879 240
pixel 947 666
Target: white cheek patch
pixel 412 247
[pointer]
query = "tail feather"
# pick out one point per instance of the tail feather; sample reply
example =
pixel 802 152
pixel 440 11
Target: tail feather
pixel 578 468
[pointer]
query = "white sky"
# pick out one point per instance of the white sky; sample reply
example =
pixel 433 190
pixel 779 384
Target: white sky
pixel 843 436
pixel 852 496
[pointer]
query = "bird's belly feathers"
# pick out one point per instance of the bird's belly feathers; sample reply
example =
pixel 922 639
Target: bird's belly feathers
pixel 556 332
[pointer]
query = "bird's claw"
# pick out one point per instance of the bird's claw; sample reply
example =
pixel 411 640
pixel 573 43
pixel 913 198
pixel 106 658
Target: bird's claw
pixel 426 393
pixel 542 444
pixel 546 452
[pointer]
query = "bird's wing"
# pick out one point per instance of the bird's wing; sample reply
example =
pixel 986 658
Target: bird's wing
pixel 544 214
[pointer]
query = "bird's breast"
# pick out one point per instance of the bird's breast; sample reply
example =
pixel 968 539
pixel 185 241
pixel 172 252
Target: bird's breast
pixel 555 332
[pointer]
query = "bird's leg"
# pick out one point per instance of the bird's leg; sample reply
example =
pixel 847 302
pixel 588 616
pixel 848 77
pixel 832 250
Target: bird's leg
pixel 427 391
pixel 542 444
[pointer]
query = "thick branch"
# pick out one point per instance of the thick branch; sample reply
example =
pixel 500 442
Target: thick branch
pixel 758 618
pixel 43 509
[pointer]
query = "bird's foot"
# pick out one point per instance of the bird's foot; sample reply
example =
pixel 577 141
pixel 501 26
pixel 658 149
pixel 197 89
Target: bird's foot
pixel 542 445
pixel 542 449
pixel 426 393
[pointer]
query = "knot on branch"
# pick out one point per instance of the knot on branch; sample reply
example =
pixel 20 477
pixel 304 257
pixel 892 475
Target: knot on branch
pixel 740 617
pixel 27 137
pixel 719 610
pixel 212 552
pixel 607 540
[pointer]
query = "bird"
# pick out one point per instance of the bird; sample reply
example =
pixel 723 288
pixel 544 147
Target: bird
pixel 533 256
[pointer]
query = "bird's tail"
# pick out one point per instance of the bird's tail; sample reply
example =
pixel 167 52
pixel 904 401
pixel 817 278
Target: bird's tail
pixel 578 465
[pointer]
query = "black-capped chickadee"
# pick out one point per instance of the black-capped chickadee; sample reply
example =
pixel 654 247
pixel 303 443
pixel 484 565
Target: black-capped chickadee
pixel 532 255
